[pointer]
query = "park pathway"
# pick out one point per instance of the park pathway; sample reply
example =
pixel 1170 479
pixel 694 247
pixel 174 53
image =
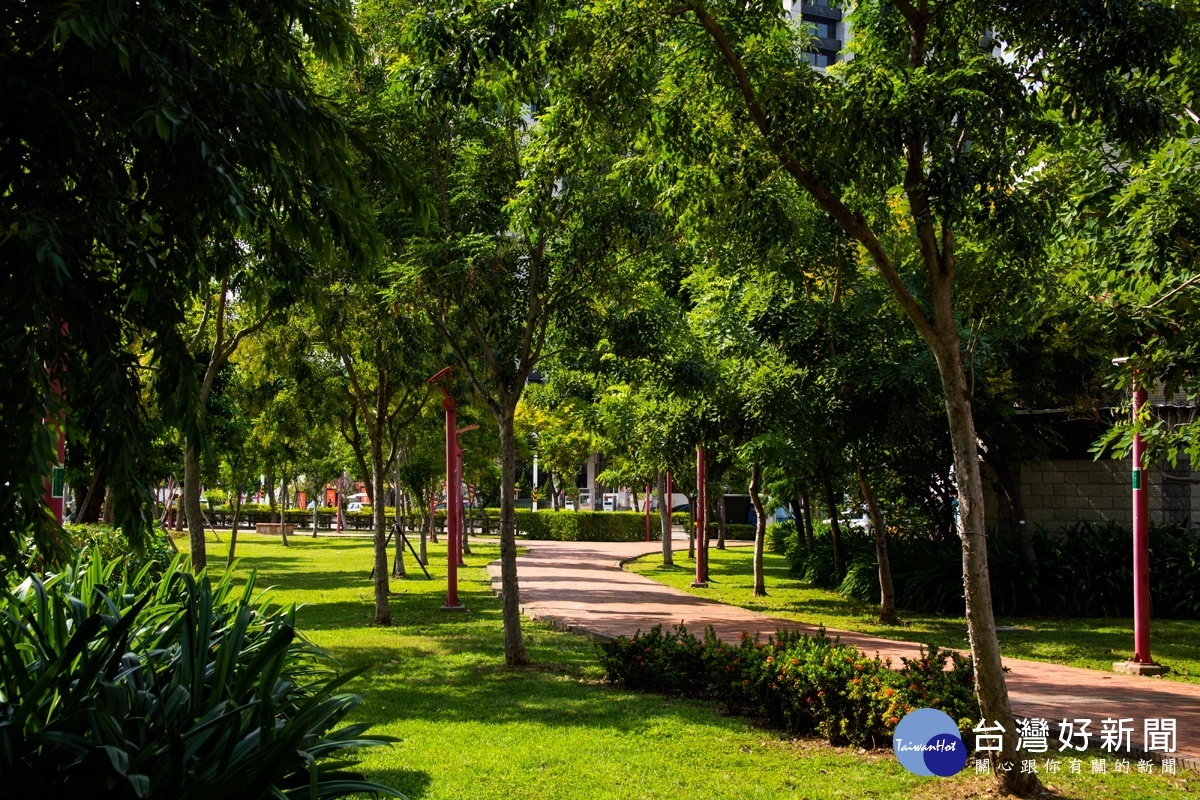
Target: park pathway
pixel 581 587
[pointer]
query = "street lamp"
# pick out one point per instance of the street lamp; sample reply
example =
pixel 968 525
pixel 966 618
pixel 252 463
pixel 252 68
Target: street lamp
pixel 453 492
pixel 1141 664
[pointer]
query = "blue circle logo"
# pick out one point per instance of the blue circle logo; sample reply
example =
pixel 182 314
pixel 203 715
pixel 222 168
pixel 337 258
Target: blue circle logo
pixel 927 742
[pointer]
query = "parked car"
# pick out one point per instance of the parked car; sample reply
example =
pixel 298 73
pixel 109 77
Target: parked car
pixel 355 506
pixel 569 505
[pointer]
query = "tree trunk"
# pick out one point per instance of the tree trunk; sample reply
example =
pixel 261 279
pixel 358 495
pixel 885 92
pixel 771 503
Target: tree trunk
pixel 283 511
pixel 398 568
pixel 92 504
pixel 664 516
pixel 1012 493
pixel 426 532
pixel 191 507
pixel 383 613
pixel 316 508
pixel 233 524
pixel 990 686
pixel 722 520
pixel 807 520
pixel 835 526
pixel 270 491
pixel 887 594
pixel 468 526
pixel 514 644
pixel 760 530
pixel 693 510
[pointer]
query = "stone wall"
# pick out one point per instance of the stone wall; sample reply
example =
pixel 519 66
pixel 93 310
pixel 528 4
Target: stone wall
pixel 1060 492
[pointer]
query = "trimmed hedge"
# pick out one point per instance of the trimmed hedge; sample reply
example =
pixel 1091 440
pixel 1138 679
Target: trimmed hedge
pixel 803 684
pixel 590 526
pixel 733 532
pixel 1084 570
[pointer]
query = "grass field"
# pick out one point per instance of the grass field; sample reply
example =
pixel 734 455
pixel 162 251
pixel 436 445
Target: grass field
pixel 1093 643
pixel 470 728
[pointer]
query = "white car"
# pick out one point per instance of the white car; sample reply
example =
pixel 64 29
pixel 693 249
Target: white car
pixel 355 506
pixel 569 505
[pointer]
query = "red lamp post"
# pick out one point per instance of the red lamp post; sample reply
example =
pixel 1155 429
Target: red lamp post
pixel 453 494
pixel 701 581
pixel 1141 664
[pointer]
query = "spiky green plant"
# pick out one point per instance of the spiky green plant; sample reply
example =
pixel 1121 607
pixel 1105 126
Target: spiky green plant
pixel 174 686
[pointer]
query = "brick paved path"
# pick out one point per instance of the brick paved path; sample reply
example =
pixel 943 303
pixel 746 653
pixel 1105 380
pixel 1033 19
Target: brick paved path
pixel 580 586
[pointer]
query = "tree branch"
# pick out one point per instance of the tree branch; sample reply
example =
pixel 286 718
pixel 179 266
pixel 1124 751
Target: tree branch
pixel 853 224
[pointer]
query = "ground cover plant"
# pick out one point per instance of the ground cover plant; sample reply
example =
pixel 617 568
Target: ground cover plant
pixel 160 684
pixel 469 727
pixel 801 683
pixel 1079 642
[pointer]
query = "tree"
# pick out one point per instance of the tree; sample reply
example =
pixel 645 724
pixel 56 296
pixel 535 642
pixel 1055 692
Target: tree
pixel 384 351
pixel 135 133
pixel 526 234
pixel 558 435
pixel 237 276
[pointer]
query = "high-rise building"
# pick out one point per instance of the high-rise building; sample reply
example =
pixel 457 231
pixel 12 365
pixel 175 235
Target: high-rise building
pixel 827 25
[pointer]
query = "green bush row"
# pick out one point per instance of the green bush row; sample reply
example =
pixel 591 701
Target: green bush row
pixel 590 526
pixel 1084 570
pixel 736 532
pixel 803 684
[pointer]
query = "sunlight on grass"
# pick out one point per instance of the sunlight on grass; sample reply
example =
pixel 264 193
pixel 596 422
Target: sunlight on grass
pixel 1093 643
pixel 470 728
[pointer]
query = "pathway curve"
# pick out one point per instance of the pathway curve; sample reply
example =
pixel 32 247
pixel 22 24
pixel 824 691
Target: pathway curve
pixel 580 586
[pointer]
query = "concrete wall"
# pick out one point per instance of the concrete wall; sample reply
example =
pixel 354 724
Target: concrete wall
pixel 1060 492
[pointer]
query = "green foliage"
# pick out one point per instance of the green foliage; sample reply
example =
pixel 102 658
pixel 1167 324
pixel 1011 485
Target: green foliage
pixel 590 526
pixel 135 135
pixel 782 536
pixel 1083 571
pixel 112 547
pixel 733 531
pixel 800 683
pixel 166 688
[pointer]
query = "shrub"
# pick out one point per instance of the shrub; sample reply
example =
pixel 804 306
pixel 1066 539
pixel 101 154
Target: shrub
pixel 782 537
pixel 804 684
pixel 112 546
pixel 165 688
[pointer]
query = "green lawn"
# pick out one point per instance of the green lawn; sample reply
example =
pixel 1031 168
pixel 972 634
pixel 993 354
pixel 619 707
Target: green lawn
pixel 1094 643
pixel 470 728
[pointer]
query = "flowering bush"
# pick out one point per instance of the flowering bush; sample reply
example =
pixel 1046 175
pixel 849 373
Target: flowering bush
pixel 797 682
